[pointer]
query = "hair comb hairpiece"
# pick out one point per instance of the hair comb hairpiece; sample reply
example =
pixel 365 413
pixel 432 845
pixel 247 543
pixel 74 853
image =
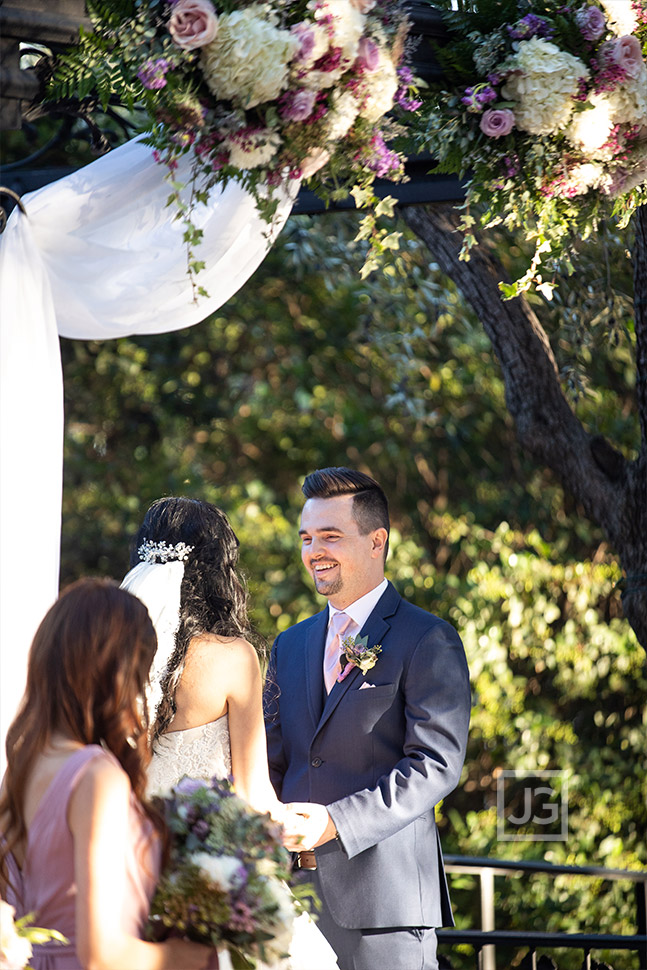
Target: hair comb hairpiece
pixel 150 551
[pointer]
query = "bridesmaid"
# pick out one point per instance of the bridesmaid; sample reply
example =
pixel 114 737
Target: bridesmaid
pixel 79 845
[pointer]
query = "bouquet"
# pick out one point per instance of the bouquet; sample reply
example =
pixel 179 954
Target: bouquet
pixel 257 92
pixel 225 883
pixel 17 936
pixel 547 115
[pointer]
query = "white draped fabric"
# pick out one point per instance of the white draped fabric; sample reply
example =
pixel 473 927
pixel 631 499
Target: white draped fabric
pixel 98 255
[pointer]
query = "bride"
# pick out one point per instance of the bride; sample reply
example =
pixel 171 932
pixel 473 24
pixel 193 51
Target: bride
pixel 205 682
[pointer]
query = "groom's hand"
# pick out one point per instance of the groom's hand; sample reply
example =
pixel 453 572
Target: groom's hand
pixel 306 826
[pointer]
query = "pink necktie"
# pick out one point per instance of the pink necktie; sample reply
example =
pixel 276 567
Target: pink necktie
pixel 331 665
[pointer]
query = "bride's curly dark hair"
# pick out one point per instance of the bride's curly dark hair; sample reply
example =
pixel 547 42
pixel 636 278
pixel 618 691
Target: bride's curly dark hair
pixel 213 595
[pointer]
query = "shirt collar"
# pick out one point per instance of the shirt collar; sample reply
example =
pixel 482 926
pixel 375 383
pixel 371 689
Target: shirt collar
pixel 361 609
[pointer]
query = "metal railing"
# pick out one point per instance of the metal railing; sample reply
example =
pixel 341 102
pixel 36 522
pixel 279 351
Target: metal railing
pixel 486 940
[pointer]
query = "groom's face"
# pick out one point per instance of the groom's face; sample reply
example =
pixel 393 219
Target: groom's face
pixel 343 563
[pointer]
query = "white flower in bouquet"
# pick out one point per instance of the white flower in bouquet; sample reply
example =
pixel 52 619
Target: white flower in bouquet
pixel 628 102
pixel 544 83
pixel 284 918
pixel 581 178
pixel 342 115
pixel 621 16
pixel 338 29
pixel 590 129
pixel 15 950
pixel 382 83
pixel 252 149
pixel 347 26
pixel 248 61
pixel 224 871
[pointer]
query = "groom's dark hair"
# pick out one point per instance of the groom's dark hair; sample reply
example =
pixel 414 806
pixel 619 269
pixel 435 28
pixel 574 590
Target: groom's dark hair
pixel 370 504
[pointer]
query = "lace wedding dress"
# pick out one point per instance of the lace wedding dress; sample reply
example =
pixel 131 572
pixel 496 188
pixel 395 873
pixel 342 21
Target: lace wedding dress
pixel 205 752
pixel 199 752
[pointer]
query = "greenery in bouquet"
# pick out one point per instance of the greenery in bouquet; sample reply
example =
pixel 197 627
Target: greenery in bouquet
pixel 17 937
pixel 257 92
pixel 226 880
pixel 543 108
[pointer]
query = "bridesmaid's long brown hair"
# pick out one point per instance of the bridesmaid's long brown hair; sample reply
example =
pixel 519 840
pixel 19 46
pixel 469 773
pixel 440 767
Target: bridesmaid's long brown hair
pixel 88 667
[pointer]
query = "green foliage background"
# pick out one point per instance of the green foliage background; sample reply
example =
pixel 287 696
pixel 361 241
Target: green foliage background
pixel 310 366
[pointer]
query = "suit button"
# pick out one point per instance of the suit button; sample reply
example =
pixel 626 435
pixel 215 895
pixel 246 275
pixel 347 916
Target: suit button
pixel 316 762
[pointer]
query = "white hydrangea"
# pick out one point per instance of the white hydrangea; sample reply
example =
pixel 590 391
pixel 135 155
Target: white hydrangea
pixel 248 61
pixel 340 119
pixel 544 86
pixel 590 129
pixel 15 951
pixel 621 17
pixel 221 870
pixel 382 84
pixel 253 150
pixel 628 102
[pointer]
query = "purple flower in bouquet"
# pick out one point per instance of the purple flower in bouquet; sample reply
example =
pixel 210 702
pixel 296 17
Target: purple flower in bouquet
pixel 497 122
pixel 531 26
pixel 405 77
pixel 305 35
pixel 297 105
pixel 152 74
pixel 591 22
pixel 382 160
pixel 368 54
pixel 475 98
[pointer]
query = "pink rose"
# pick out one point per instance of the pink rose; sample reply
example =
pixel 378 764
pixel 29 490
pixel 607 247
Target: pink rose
pixel 496 122
pixel 368 54
pixel 362 5
pixel 627 54
pixel 193 23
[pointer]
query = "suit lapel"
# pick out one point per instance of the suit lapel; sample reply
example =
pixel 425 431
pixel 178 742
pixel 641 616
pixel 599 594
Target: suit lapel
pixel 314 647
pixel 375 628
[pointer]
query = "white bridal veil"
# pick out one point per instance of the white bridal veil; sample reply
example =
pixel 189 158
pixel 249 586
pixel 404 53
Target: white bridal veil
pixel 97 255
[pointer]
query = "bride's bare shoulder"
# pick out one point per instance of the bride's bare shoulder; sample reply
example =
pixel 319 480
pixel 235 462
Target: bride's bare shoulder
pixel 210 651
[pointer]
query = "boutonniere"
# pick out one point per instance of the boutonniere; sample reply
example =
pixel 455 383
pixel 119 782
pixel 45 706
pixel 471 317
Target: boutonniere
pixel 357 653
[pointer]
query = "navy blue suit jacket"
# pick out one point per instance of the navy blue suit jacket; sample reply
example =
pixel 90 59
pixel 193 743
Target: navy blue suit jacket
pixel 380 758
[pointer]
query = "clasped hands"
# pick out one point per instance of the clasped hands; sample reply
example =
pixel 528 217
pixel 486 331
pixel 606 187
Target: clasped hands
pixel 305 826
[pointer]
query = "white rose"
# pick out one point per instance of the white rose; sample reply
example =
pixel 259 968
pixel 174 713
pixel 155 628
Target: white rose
pixel 340 119
pixel 222 870
pixel 583 177
pixel 381 85
pixel 253 150
pixel 15 951
pixel 545 82
pixel 621 17
pixel 590 129
pixel 248 61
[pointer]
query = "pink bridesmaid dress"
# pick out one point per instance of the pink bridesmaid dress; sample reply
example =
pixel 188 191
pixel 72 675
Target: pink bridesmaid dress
pixel 46 886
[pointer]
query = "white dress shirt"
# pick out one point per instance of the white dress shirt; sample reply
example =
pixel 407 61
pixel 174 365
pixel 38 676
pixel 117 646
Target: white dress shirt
pixel 359 611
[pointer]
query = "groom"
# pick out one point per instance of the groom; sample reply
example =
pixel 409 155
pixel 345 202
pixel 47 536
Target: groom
pixel 374 747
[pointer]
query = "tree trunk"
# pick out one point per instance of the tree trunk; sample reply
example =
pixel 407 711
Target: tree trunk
pixel 612 490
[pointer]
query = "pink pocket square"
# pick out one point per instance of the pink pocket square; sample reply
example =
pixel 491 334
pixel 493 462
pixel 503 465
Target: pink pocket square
pixel 365 685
